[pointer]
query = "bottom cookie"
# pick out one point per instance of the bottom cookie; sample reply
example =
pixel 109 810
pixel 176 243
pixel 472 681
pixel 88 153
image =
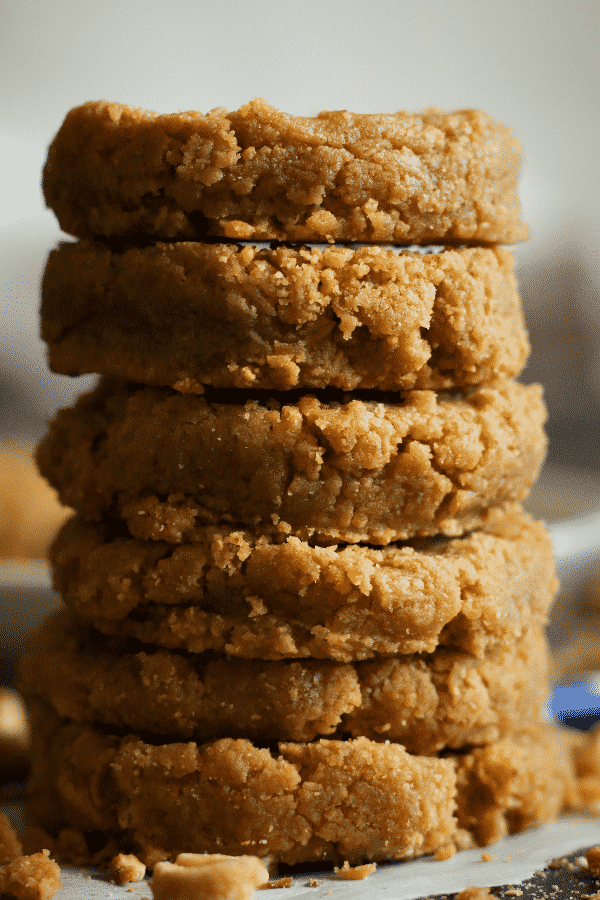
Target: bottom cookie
pixel 327 800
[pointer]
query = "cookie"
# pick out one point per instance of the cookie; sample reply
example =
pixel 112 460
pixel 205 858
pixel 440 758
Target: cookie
pixel 327 800
pixel 250 595
pixel 427 703
pixel 257 173
pixel 348 471
pixel 188 315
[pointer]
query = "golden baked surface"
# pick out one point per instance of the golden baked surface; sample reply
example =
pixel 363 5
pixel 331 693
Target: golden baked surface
pixel 350 471
pixel 304 607
pixel 356 799
pixel 336 471
pixel 427 703
pixel 190 314
pixel 257 173
pixel 253 595
pixel 31 877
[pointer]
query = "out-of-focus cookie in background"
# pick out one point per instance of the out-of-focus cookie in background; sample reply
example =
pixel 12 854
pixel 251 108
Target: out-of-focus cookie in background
pixel 30 394
pixel 14 738
pixel 30 514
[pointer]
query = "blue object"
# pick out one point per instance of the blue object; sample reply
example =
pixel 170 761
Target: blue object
pixel 575 703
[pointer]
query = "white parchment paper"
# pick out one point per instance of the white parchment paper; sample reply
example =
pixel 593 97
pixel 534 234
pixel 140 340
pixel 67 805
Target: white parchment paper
pixel 517 858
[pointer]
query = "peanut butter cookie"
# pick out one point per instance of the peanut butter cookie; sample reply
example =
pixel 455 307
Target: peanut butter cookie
pixel 427 703
pixel 188 315
pixel 115 171
pixel 251 595
pixel 356 799
pixel 348 471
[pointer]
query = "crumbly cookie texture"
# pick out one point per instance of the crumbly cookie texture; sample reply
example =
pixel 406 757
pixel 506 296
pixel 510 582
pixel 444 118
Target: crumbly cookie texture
pixel 257 173
pixel 336 471
pixel 352 800
pixel 35 877
pixel 427 703
pixel 188 314
pixel 354 873
pixel 125 868
pixel 251 595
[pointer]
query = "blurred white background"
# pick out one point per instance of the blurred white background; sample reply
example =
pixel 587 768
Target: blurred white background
pixel 529 63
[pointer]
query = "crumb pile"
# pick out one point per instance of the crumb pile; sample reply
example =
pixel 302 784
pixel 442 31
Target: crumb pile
pixel 304 608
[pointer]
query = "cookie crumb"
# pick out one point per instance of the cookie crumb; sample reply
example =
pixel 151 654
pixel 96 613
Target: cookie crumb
pixel 474 893
pixel 446 852
pixel 514 892
pixel 593 859
pixel 313 882
pixel 488 857
pixel 34 877
pixel 355 873
pixel 10 845
pixel 277 883
pixel 210 876
pixel 125 868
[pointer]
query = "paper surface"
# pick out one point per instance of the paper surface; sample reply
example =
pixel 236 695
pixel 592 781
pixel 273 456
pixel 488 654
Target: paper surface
pixel 517 858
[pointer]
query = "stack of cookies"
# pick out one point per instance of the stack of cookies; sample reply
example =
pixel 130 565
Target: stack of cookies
pixel 303 607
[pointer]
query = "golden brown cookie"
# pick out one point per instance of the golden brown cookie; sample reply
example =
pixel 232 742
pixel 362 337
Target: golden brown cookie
pixel 249 595
pixel 427 703
pixel 356 800
pixel 349 471
pixel 115 171
pixel 188 315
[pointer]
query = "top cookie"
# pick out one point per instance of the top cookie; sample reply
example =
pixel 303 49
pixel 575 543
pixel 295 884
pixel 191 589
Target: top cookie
pixel 259 174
